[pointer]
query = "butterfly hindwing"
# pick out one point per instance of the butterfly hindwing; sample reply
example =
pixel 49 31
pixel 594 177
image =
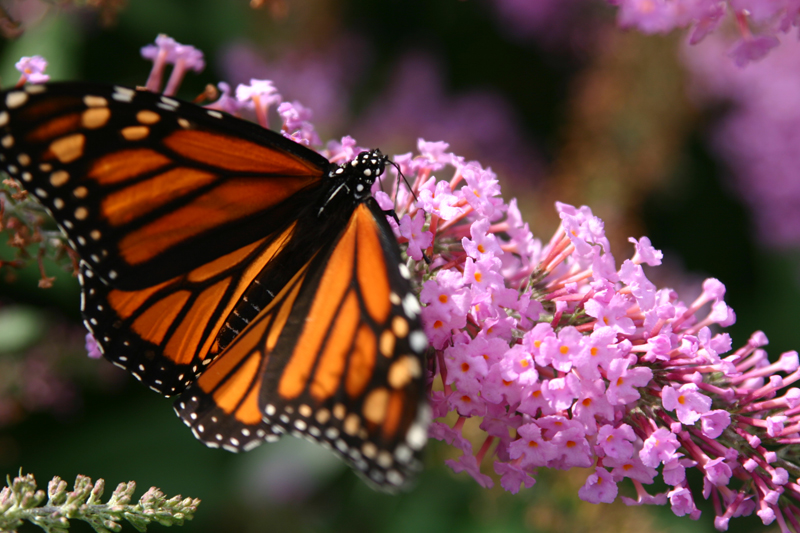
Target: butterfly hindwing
pixel 167 334
pixel 348 369
pixel 341 350
pixel 222 407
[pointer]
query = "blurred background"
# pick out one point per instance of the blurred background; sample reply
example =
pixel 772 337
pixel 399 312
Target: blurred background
pixel 659 138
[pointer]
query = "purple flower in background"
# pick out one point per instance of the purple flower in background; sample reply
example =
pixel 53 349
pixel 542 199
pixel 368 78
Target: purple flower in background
pixel 414 104
pixel 480 123
pixel 297 123
pixel 757 21
pixel 167 50
pixel 259 96
pixel 32 70
pixel 92 348
pixel 759 136
pixel 554 23
pixel 322 80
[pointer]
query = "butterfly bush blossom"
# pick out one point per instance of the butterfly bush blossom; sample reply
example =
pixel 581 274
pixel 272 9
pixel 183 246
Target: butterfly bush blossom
pixel 566 359
pixel 758 23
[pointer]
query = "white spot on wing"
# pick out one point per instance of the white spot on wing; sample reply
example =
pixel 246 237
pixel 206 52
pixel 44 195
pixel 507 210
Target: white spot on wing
pixel 123 94
pixel 16 99
pixel 411 306
pixel 418 341
pixel 404 271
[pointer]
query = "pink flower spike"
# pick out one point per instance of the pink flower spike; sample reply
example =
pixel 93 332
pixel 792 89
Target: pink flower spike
pixel 481 190
pixel 572 449
pixel 464 368
pixel 453 436
pixel 612 313
pixel 713 423
pixel 32 70
pixel 533 400
pixel 597 350
pixel 682 502
pixel 658 349
pixel 645 252
pixel 92 348
pixel 713 289
pixel 775 425
pixel 766 513
pixel 648 16
pixel 631 468
pixel 160 54
pixel 674 471
pixel 531 447
pixel 616 442
pixel 561 392
pixel 467 463
pixel 436 197
pixel 592 405
pixel 297 123
pixel 687 401
pixel 562 350
pixel 418 240
pixel 789 361
pixel 717 472
pixel 513 477
pixel 481 243
pixel 467 404
pixel 752 48
pixel 258 96
pixel 600 487
pixel 435 155
pixel 483 275
pixel 640 287
pixel 623 381
pixel 644 498
pixel 225 102
pixel 185 57
pixel 659 447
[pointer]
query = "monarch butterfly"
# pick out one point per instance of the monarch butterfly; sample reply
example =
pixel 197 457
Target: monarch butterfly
pixel 231 266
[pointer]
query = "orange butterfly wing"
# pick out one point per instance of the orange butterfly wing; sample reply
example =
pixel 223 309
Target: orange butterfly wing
pixel 339 359
pixel 176 211
pixel 146 187
pixel 213 250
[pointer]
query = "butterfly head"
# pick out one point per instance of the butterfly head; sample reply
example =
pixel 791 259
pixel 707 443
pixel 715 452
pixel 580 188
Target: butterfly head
pixel 361 172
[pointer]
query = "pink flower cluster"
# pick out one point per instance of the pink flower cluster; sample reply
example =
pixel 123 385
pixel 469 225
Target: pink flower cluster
pixel 768 17
pixel 569 361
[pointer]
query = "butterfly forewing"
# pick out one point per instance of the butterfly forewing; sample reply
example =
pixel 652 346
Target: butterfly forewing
pixel 147 187
pixel 174 209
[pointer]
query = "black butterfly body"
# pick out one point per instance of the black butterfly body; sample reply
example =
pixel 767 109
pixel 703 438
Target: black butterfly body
pixel 230 265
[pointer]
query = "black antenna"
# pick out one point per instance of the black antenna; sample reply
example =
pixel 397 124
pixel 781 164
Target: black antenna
pixel 401 175
pixel 411 190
